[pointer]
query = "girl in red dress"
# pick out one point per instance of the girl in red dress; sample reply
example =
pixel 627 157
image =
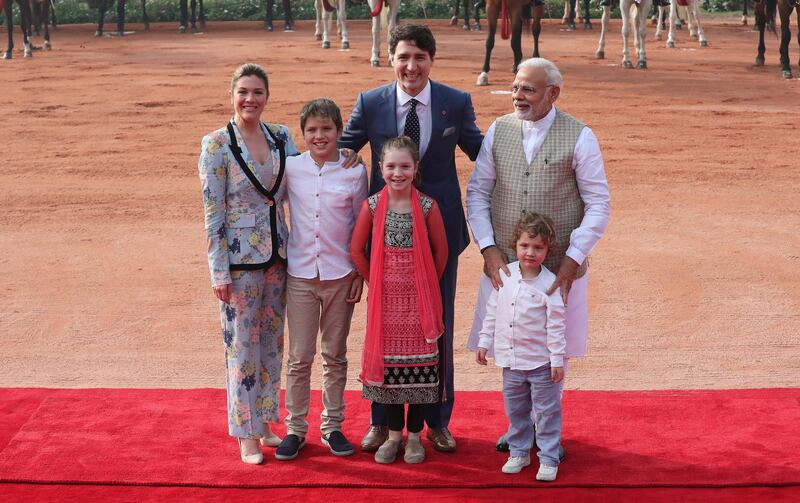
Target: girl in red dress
pixel 407 257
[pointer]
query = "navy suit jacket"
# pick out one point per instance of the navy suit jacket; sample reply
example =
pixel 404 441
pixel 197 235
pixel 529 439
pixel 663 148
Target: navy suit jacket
pixel 374 120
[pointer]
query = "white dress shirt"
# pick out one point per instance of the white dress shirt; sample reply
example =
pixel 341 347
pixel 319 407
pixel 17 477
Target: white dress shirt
pixel 423 112
pixel 323 204
pixel 525 324
pixel 587 162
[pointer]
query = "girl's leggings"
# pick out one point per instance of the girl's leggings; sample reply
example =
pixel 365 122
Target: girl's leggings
pixel 416 416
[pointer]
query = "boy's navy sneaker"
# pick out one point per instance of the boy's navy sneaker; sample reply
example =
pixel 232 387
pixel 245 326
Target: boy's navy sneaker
pixel 289 447
pixel 338 443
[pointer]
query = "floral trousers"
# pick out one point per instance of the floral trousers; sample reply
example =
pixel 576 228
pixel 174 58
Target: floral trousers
pixel 252 331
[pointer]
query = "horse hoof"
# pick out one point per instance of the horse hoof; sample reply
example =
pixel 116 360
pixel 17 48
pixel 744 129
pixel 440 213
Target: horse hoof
pixel 268 27
pixel 194 29
pixel 670 45
pixel 588 26
pixel 375 63
pixel 564 20
pixel 453 21
pixel 466 27
pixel 476 27
pixel 786 74
pixel 147 27
pixel 288 27
pixel 659 36
pixel 744 20
pixel 181 29
pixel 483 79
pixel 7 55
pixel 642 65
pixel 704 43
pixel 120 33
pixel 345 45
pixel 600 54
pixel 326 45
pixel 759 61
pixel 627 64
pixel 27 53
pixel 693 37
pixel 570 26
pixel 318 36
pixel 98 33
pixel 47 45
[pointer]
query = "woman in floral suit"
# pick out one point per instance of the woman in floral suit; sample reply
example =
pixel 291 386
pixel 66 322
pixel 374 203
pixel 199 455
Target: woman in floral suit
pixel 241 169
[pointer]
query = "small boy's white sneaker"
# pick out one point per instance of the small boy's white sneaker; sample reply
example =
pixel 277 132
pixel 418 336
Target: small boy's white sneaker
pixel 515 464
pixel 547 473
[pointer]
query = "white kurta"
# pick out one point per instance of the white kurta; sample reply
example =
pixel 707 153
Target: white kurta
pixel 593 188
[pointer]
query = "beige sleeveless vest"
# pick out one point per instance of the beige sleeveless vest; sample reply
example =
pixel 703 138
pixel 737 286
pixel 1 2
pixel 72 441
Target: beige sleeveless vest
pixel 546 186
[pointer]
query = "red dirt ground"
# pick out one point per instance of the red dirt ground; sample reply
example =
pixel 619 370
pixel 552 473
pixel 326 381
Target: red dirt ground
pixel 102 248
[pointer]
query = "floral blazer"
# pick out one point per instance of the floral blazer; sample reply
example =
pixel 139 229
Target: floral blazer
pixel 242 229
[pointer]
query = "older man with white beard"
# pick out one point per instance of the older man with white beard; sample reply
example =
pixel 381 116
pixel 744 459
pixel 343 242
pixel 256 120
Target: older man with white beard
pixel 539 159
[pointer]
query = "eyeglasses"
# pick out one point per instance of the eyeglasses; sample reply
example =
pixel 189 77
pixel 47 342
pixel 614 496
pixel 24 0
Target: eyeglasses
pixel 527 90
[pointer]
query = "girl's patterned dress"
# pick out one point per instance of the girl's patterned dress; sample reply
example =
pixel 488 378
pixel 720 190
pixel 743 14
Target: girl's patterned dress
pixel 411 366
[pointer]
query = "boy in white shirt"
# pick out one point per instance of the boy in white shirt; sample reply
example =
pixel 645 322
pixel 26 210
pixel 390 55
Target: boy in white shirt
pixel 322 285
pixel 527 329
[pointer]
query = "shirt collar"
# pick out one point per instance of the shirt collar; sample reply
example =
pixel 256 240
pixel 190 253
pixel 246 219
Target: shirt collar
pixel 424 97
pixel 543 123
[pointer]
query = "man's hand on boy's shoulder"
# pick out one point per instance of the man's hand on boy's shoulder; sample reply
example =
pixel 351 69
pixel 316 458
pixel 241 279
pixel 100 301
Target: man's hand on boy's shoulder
pixel 351 158
pixel 480 356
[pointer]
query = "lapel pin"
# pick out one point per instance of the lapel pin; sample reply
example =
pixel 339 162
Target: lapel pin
pixel 444 113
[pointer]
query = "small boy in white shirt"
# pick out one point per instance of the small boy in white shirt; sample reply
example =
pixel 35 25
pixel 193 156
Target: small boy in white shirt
pixel 323 285
pixel 526 327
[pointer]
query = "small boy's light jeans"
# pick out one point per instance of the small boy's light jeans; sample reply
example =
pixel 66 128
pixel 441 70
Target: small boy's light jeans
pixel 527 391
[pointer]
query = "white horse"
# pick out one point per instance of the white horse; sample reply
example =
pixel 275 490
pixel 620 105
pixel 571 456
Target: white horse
pixel 632 12
pixel 692 19
pixel 325 10
pixel 387 17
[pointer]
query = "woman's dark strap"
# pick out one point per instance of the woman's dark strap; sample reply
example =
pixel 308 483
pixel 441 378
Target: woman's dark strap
pixel 269 194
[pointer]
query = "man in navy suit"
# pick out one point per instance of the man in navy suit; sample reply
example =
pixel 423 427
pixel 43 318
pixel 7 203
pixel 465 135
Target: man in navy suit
pixel 443 120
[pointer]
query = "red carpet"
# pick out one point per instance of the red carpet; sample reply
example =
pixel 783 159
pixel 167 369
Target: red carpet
pixel 649 440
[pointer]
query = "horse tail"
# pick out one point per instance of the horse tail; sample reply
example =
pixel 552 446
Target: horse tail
pixel 505 21
pixel 377 10
pixel 328 6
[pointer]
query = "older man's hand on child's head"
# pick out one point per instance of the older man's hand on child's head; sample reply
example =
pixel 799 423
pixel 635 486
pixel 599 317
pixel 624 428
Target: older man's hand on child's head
pixel 480 356
pixel 557 373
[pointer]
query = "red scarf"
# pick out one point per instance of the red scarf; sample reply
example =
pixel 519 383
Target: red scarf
pixel 429 299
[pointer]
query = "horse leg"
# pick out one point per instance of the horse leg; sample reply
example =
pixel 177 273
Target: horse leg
pixel 287 16
pixel 54 21
pixel 268 15
pixel 46 16
pixel 492 14
pixel 326 27
pixel 536 27
pixel 785 12
pixel 184 15
pixel 761 24
pixel 145 19
pixel 661 11
pixel 701 34
pixel 477 25
pixel 566 12
pixel 341 21
pixel 641 28
pixel 35 23
pixel 466 15
pixel 121 17
pixel 516 39
pixel 601 46
pixel 8 13
pixel 673 15
pixel 318 11
pixel 744 13
pixel 456 9
pixel 571 17
pixel 24 20
pixel 391 22
pixel 101 10
pixel 193 19
pixel 587 18
pixel 374 58
pixel 625 12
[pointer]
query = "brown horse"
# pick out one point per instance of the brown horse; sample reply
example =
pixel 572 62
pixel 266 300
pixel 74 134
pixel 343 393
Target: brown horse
pixel 785 9
pixel 24 26
pixel 509 12
pixel 184 19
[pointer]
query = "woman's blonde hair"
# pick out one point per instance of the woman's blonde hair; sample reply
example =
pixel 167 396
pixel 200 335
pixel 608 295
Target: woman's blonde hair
pixel 248 69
